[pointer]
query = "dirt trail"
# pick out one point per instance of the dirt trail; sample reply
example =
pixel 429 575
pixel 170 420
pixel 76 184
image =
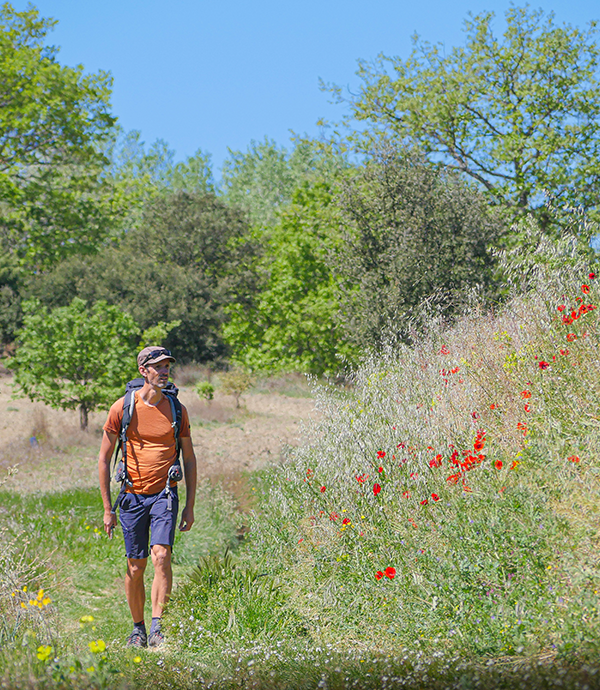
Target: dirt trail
pixel 52 453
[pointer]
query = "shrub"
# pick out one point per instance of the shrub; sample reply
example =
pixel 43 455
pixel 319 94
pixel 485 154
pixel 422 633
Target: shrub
pixel 205 390
pixel 235 382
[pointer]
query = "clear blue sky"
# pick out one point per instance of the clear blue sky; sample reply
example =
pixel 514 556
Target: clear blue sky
pixel 214 75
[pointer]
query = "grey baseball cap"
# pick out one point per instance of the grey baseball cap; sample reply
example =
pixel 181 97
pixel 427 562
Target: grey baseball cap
pixel 153 355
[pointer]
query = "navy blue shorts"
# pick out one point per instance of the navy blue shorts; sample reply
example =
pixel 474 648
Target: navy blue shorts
pixel 145 518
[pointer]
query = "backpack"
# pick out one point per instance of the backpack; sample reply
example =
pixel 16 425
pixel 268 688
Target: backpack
pixel 175 472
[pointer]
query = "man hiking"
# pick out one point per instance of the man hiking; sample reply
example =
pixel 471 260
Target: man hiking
pixel 157 428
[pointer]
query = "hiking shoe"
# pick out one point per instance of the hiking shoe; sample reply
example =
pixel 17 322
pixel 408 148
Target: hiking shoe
pixel 156 639
pixel 137 639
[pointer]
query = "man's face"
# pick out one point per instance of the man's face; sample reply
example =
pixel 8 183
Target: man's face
pixel 157 374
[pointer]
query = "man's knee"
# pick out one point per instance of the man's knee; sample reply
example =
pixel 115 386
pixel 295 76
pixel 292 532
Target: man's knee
pixel 161 556
pixel 136 567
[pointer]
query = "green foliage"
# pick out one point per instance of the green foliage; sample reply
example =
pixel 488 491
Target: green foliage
pixel 262 180
pixel 186 260
pixel 291 323
pixel 416 237
pixel 205 390
pixel 519 114
pixel 12 278
pixel 157 334
pixel 53 120
pixel 235 382
pixel 74 356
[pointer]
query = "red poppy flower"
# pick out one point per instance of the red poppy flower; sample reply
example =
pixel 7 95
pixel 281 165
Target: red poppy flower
pixel 406 494
pixel 585 289
pixel 591 276
pixel 390 572
pixel 514 465
pixel 346 521
pixel 521 426
pixel 380 470
pixel 309 473
pixel 526 394
pixel 381 453
pixel 300 540
pixel 378 575
pixel 436 462
pixel 323 489
pixel 478 445
pixel 455 370
pixel 498 464
pixel 573 458
pixel 435 497
pixel 376 489
pixel 543 365
pixel 424 502
pixel 571 337
pixel 564 352
pixel 361 478
pixel 453 478
pixel 561 307
pixel 475 415
pixel 493 406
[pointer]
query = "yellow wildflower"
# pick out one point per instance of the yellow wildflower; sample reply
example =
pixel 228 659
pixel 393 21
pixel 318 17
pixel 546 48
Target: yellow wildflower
pixel 44 652
pixel 97 646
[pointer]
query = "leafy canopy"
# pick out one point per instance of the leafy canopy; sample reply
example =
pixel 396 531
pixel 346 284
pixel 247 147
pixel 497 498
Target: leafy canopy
pixel 291 323
pixel 415 235
pixel 53 121
pixel 188 258
pixel 74 356
pixel 262 180
pixel 519 114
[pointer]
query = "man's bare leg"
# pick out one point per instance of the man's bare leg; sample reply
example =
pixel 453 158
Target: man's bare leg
pixel 163 578
pixel 134 587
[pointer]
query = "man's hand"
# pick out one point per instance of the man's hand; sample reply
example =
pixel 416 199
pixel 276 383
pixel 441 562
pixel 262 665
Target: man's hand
pixel 110 522
pixel 187 519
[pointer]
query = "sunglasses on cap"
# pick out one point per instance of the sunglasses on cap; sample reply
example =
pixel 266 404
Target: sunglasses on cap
pixel 163 352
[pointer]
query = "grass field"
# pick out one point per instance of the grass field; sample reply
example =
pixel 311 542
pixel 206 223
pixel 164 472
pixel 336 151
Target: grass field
pixel 437 527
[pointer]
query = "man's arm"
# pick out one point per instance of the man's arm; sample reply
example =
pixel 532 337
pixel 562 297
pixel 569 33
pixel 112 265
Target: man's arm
pixel 106 450
pixel 189 466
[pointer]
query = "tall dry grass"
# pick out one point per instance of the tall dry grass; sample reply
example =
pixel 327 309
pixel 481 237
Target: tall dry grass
pixel 450 500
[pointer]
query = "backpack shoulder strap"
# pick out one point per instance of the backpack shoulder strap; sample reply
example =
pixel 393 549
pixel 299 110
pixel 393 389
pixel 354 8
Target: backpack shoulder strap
pixel 176 416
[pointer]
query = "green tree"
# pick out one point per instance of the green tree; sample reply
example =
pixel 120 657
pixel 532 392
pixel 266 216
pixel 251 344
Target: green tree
pixel 189 256
pixel 263 179
pixel 415 234
pixel 75 357
pixel 519 114
pixel 53 122
pixel 291 325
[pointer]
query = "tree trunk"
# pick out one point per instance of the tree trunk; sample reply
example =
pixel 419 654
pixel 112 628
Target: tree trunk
pixel 83 417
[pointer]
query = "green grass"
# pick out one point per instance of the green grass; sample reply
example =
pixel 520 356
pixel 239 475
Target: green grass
pixel 67 555
pixel 437 528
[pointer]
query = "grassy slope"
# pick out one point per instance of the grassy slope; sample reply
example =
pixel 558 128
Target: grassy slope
pixel 507 557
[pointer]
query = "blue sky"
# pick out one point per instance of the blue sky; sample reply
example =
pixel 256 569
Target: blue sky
pixel 215 76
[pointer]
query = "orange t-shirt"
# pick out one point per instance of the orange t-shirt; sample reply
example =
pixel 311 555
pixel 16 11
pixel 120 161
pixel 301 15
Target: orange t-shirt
pixel 150 442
